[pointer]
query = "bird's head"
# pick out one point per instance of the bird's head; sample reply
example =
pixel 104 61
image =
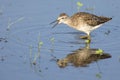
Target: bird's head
pixel 61 19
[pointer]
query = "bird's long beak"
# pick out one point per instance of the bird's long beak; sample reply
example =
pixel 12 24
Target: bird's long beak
pixel 56 23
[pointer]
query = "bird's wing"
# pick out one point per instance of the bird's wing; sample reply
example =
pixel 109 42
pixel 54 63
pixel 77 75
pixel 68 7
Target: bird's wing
pixel 92 19
pixel 95 20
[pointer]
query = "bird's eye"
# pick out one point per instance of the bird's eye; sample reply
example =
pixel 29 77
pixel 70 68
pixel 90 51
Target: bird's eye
pixel 62 18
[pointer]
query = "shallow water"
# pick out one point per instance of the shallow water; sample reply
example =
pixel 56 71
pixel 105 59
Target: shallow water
pixel 30 48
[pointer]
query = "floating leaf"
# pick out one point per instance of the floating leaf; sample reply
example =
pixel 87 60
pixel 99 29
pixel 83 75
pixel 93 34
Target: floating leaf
pixel 40 43
pixel 79 4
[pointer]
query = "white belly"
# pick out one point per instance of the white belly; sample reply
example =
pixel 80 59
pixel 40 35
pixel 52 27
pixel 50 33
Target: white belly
pixel 87 29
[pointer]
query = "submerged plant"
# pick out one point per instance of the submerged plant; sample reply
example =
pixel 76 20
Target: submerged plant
pixel 30 48
pixel 1 11
pixel 90 8
pixel 119 58
pixel 98 75
pixel 79 5
pixel 40 45
pixel 52 41
pixel 99 51
pixel 37 55
pixel 14 22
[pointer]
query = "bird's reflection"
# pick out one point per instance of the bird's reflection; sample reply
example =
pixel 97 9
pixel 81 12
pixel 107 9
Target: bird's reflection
pixel 82 57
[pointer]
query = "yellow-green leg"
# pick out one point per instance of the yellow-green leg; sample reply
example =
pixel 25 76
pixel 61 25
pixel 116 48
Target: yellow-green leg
pixel 87 37
pixel 84 37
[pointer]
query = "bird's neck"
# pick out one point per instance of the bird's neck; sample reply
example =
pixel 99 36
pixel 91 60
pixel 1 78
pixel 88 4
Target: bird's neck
pixel 68 21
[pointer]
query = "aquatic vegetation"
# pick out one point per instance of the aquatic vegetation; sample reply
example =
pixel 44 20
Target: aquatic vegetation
pixel 33 59
pixel 98 75
pixel 79 5
pixel 89 8
pixel 1 11
pixel 10 23
pixel 37 55
pixel 52 41
pixel 40 45
pixel 119 58
pixel 30 48
pixel 99 51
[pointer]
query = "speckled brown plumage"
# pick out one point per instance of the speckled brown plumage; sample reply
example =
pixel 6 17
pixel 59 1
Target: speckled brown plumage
pixel 90 19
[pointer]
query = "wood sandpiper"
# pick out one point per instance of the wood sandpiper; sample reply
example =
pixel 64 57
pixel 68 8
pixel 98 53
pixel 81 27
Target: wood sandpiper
pixel 82 21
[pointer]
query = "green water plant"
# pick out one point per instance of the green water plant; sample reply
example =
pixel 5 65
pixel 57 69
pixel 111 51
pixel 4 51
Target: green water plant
pixel 79 5
pixel 10 23
pixel 1 11
pixel 98 75
pixel 40 45
pixel 119 58
pixel 89 8
pixel 37 55
pixel 99 51
pixel 30 48
pixel 52 41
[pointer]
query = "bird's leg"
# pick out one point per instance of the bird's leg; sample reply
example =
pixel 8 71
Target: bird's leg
pixel 87 37
pixel 84 37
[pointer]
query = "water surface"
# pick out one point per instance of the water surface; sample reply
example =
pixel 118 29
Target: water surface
pixel 30 48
